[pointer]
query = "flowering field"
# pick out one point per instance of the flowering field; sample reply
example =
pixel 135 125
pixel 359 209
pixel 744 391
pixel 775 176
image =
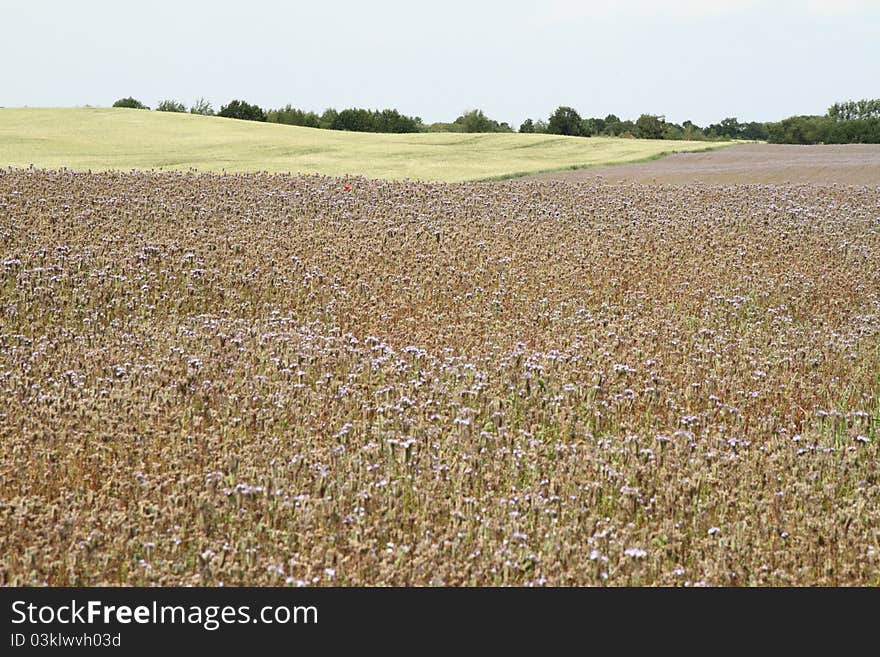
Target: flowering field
pixel 275 380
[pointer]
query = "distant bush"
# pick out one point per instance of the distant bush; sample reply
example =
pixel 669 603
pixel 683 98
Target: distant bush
pixel 854 131
pixel 390 120
pixel 612 125
pixel 799 130
pixel 387 120
pixel 672 131
pixel 825 130
pixel 470 122
pixel 445 127
pixel 327 118
pixel 540 127
pixel 626 128
pixel 692 131
pixel 590 127
pixel 731 128
pixel 477 121
pixel 131 103
pixel 850 122
pixel 355 120
pixel 754 130
pixel 239 109
pixel 203 107
pixel 170 106
pixel 291 116
pixel 566 121
pixel 529 126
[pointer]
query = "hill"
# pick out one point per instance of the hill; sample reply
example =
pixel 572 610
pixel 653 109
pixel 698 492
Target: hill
pixel 104 138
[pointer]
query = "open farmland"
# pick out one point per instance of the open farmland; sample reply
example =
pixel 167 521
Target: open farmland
pixel 101 139
pixel 774 164
pixel 270 380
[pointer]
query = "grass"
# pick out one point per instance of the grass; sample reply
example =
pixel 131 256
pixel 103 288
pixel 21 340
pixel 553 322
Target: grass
pixel 100 139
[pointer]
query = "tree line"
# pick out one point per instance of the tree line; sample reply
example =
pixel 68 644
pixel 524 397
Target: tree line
pixel 855 121
pixel 851 122
pixel 387 120
pixel 566 121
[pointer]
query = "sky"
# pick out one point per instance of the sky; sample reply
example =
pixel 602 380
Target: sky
pixel 701 60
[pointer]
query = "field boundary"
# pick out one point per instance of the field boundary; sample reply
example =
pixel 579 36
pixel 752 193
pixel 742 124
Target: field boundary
pixel 601 165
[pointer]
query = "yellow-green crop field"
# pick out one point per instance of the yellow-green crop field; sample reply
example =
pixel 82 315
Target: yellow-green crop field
pixel 101 139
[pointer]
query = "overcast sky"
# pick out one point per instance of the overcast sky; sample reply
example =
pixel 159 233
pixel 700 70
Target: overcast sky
pixel 687 59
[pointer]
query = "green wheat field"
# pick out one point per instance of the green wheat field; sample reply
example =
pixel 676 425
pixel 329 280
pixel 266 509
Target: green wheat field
pixel 100 139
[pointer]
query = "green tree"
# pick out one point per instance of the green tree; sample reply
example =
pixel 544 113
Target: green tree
pixel 474 121
pixel 588 128
pixel 292 116
pixel 170 106
pixel 390 120
pixel 203 107
pixel 649 126
pixel 239 109
pixel 527 126
pixel 477 121
pixel 692 131
pixel 612 125
pixel 327 118
pixel 598 125
pixel 754 130
pixel 439 126
pixel 799 130
pixel 729 128
pixel 672 131
pixel 564 121
pixel 131 103
pixel 854 131
pixel 354 120
pixel 855 109
pixel 627 128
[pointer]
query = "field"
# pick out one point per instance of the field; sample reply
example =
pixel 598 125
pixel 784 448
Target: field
pixel 773 164
pixel 123 139
pixel 277 380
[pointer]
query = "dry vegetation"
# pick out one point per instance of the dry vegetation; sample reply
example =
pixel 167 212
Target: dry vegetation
pixel 271 380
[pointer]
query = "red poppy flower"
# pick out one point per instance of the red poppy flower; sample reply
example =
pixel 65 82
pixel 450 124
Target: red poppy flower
pixel 347 187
